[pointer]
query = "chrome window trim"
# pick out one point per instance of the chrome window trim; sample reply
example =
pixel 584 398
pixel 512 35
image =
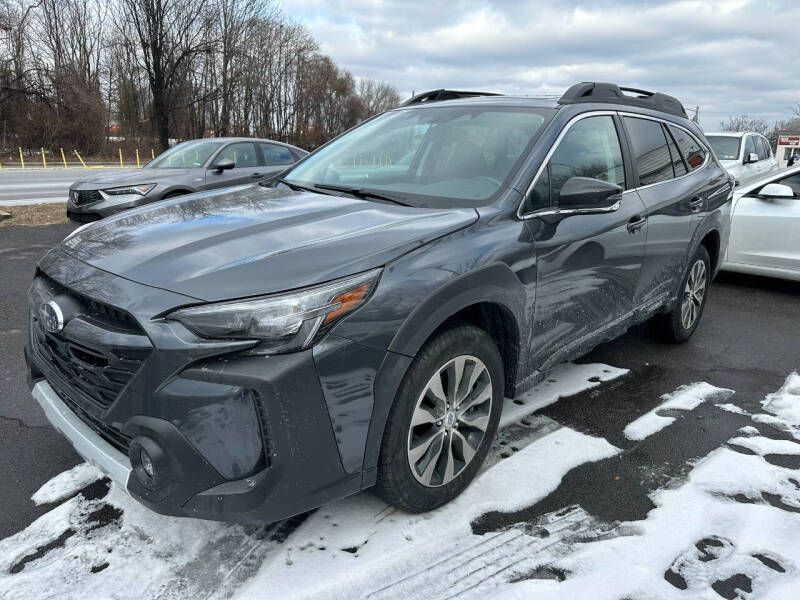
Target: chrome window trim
pixel 545 212
pixel 694 137
pixel 554 211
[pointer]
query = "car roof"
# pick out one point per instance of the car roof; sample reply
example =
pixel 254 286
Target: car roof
pixel 731 133
pixel 227 139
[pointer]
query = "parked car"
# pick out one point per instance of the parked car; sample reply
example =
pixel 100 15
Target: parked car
pixel 253 353
pixel 745 154
pixel 765 227
pixel 185 168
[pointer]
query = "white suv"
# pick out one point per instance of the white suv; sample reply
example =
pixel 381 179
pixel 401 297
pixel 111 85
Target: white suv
pixel 745 154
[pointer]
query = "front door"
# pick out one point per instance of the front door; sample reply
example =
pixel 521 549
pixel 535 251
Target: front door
pixel 764 232
pixel 246 166
pixel 588 261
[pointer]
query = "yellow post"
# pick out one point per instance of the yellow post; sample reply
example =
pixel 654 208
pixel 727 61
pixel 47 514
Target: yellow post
pixel 138 166
pixel 21 160
pixel 80 159
pixel 44 160
pixel 152 154
pixel 120 158
pixel 63 158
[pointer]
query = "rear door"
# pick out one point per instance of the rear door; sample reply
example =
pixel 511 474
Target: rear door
pixel 766 232
pixel 246 166
pixel 588 262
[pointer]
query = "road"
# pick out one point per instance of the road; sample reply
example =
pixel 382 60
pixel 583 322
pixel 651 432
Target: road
pixel 749 341
pixel 35 186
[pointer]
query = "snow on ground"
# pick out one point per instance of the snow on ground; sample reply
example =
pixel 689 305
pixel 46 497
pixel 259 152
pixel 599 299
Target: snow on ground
pixel 684 398
pixel 730 531
pixel 67 484
pixel 97 544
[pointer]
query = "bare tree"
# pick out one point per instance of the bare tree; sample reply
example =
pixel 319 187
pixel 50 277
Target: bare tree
pixel 377 96
pixel 168 35
pixel 746 123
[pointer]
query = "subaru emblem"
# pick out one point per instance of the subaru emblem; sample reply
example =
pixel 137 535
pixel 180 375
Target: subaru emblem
pixel 51 316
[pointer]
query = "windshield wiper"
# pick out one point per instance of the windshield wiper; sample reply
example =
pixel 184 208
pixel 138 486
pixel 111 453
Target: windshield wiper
pixel 364 193
pixel 294 186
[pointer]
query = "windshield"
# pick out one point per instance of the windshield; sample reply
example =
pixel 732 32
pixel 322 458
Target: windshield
pixel 446 156
pixel 725 147
pixel 185 155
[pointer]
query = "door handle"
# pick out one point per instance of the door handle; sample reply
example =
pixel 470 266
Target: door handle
pixel 695 204
pixel 256 175
pixel 636 223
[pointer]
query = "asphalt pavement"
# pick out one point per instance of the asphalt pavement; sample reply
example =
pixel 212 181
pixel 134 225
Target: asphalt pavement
pixel 749 341
pixel 39 186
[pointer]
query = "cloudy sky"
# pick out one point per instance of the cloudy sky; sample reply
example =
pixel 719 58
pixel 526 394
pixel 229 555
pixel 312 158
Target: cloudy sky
pixel 730 57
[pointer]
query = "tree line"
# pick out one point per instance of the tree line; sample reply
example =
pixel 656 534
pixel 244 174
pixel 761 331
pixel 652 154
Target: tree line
pixel 74 71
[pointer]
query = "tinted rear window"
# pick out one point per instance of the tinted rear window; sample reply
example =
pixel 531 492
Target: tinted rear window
pixel 692 152
pixel 653 161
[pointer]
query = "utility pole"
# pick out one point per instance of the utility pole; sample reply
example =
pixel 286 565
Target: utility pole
pixel 696 117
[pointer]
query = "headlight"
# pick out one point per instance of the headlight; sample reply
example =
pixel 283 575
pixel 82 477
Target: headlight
pixel 139 190
pixel 284 322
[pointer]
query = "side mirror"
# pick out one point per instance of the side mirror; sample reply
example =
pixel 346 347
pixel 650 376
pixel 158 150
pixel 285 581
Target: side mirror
pixel 222 164
pixel 776 190
pixel 751 158
pixel 588 194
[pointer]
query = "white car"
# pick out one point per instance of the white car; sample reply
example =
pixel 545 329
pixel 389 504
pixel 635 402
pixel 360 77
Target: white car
pixel 745 154
pixel 765 227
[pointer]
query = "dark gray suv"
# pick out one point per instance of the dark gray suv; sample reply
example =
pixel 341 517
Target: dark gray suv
pixel 187 167
pixel 250 354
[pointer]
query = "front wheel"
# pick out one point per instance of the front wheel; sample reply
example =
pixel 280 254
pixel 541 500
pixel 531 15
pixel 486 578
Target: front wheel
pixel 443 421
pixel 679 324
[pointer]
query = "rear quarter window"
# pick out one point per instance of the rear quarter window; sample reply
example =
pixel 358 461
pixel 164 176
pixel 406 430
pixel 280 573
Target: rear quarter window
pixel 693 153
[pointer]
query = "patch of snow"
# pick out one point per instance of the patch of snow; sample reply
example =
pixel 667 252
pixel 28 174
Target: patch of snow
pixel 764 445
pixel 686 397
pixel 729 407
pixel 564 380
pixel 785 403
pixel 749 430
pixel 67 483
pixel 387 544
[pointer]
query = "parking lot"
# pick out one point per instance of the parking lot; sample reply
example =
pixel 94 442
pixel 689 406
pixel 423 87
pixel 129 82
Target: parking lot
pixel 591 495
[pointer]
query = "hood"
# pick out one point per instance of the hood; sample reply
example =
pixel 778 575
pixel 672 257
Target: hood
pixel 250 240
pixel 120 178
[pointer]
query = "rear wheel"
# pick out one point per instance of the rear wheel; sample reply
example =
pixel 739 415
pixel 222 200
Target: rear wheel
pixel 680 323
pixel 443 421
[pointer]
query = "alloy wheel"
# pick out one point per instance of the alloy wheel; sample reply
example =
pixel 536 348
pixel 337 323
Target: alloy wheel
pixel 693 294
pixel 449 421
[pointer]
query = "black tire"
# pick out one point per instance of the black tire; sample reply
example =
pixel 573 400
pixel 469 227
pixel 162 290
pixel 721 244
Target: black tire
pixel 396 484
pixel 670 327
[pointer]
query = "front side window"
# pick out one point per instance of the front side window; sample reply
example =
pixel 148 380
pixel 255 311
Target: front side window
pixel 276 155
pixel 761 149
pixel 185 155
pixel 693 153
pixel 243 154
pixel 589 149
pixel 749 148
pixel 726 147
pixel 439 156
pixel 653 160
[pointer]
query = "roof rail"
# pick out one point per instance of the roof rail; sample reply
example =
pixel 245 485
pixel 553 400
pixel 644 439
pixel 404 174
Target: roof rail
pixel 439 95
pixel 592 91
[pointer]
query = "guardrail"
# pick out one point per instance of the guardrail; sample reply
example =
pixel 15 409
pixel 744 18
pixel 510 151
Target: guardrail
pixel 44 166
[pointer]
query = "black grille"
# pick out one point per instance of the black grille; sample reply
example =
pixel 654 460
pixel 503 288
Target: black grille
pixel 81 197
pixel 113 436
pixel 99 374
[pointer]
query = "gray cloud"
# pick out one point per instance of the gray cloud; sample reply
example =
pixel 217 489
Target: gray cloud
pixel 730 57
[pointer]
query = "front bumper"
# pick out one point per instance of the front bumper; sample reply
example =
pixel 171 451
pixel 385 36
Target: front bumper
pixel 200 404
pixel 107 206
pixel 94 449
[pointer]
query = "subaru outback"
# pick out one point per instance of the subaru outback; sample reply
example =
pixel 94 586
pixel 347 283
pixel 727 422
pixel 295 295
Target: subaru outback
pixel 252 353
